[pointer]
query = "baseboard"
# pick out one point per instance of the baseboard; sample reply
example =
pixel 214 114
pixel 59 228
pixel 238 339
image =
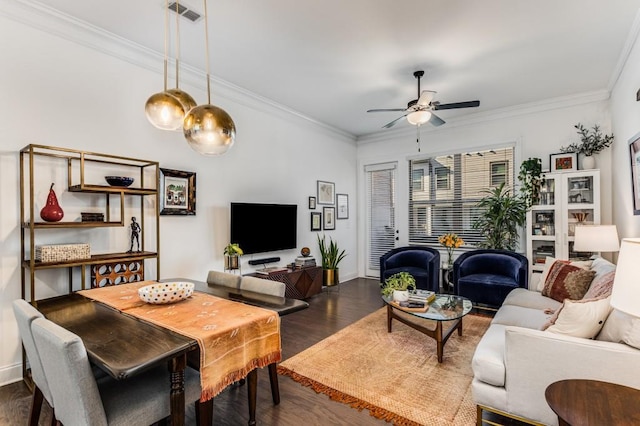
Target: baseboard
pixel 10 374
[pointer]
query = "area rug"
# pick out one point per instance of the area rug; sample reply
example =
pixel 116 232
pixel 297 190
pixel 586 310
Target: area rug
pixel 396 376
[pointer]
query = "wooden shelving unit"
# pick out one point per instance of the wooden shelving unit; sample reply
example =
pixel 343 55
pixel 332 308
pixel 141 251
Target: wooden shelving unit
pixel 82 169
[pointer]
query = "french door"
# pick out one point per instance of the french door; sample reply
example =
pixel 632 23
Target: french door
pixel 381 232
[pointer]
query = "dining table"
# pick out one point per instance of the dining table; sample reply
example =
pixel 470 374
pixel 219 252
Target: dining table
pixel 123 344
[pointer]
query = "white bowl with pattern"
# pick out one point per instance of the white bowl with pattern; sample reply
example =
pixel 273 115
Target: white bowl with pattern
pixel 163 293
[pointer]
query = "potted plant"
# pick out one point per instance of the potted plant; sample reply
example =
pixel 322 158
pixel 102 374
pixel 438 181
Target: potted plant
pixel 331 257
pixel 592 141
pixel 503 215
pixel 398 285
pixel 530 178
pixel 231 253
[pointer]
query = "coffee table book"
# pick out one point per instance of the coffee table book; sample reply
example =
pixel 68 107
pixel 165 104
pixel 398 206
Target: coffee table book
pixel 425 308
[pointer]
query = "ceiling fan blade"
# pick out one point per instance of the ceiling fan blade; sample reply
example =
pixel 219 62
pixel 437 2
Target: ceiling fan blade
pixel 425 97
pixel 386 110
pixel 391 124
pixel 435 120
pixel 468 104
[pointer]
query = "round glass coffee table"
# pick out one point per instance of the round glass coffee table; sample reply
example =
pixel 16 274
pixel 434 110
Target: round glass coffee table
pixel 445 308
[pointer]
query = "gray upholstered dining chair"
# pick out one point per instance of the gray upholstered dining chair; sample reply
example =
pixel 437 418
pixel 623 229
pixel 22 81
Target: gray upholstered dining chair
pixel 224 279
pixel 81 400
pixel 25 315
pixel 260 285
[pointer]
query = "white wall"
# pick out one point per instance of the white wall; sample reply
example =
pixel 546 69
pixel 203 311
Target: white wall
pixel 61 93
pixel 625 112
pixel 537 131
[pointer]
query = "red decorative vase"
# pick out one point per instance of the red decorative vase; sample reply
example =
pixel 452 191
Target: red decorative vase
pixel 52 212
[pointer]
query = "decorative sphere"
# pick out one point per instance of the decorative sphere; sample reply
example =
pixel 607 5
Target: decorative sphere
pixel 209 130
pixel 305 251
pixel 164 111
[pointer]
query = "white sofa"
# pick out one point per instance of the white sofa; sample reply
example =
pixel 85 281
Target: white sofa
pixel 515 360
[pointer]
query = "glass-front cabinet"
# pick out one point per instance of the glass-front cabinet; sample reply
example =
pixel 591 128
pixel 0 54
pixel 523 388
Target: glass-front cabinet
pixel 567 199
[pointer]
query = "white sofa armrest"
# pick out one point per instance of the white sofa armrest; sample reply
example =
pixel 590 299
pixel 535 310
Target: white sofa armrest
pixel 534 359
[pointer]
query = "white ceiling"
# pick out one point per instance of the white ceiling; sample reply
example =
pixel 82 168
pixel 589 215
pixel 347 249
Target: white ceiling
pixel 331 60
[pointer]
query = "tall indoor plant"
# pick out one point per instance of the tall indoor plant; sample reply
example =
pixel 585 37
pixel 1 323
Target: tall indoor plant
pixel 331 258
pixel 503 213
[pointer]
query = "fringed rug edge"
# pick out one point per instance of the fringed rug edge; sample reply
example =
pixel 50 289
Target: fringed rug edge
pixel 353 402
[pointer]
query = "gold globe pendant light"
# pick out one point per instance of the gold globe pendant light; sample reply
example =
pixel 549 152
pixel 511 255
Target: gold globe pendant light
pixel 166 110
pixel 209 130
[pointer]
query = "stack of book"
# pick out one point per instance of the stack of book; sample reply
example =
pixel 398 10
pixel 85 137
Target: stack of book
pixel 305 262
pixel 422 296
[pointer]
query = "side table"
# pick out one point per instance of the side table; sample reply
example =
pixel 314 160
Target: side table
pixel 579 402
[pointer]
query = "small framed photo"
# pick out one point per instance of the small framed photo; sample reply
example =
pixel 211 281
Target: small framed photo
pixel 342 206
pixel 312 203
pixel 564 162
pixel 316 221
pixel 329 218
pixel 177 192
pixel 326 192
pixel 634 153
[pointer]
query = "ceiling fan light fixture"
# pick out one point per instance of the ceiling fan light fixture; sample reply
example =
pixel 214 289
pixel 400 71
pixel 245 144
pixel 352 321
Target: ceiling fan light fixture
pixel 418 118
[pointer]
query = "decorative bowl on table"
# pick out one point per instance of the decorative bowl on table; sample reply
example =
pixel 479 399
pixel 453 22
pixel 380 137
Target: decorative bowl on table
pixel 119 180
pixel 164 293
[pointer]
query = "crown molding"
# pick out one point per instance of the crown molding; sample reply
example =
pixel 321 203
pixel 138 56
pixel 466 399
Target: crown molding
pixel 626 51
pixel 51 21
pixel 492 115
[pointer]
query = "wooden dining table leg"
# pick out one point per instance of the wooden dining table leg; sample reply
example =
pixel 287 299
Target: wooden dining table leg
pixel 176 368
pixel 273 379
pixel 252 389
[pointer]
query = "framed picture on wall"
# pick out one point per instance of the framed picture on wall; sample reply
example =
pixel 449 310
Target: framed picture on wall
pixel 312 203
pixel 329 218
pixel 564 162
pixel 634 153
pixel 316 221
pixel 177 192
pixel 342 206
pixel 326 192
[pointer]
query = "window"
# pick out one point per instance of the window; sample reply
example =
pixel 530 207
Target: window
pixel 417 179
pixel 498 173
pixel 452 186
pixel 442 178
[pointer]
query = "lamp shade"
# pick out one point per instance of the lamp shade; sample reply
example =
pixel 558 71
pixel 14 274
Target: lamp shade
pixel 626 285
pixel 209 130
pixel 418 118
pixel 164 111
pixel 596 238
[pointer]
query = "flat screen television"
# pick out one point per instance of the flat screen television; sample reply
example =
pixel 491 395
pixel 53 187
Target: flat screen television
pixel 260 228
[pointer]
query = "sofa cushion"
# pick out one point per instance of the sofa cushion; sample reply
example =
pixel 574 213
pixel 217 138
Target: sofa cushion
pixel 530 299
pixel 581 318
pixel 521 317
pixel 621 328
pixel 549 261
pixel 601 286
pixel 488 359
pixel 601 267
pixel 567 282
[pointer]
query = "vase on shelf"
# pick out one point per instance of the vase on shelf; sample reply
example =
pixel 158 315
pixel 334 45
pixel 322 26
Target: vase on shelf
pixel 588 162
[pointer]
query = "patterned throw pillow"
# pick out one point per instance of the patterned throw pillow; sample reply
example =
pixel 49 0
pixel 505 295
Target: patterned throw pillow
pixel 567 282
pixel 601 286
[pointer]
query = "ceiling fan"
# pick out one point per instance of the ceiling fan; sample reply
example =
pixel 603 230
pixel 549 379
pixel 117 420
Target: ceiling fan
pixel 420 111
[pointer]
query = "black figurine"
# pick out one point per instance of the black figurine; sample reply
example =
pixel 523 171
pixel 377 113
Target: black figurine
pixel 135 235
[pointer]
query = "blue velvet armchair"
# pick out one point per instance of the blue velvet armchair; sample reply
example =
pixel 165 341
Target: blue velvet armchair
pixel 421 262
pixel 486 276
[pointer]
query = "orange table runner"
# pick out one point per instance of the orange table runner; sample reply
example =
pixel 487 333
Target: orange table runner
pixel 234 338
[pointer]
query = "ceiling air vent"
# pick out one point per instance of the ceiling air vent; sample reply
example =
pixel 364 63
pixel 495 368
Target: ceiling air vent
pixel 184 11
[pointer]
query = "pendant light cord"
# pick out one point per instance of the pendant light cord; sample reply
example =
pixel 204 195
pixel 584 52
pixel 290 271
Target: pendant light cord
pixel 206 46
pixel 177 44
pixel 166 41
pixel 418 136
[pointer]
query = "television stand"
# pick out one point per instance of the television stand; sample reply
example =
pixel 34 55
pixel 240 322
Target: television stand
pixel 300 283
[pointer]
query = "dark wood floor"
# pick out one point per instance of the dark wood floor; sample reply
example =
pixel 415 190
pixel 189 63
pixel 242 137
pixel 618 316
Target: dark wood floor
pixel 328 313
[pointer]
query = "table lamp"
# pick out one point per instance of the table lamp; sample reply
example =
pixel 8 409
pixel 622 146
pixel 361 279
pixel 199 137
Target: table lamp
pixel 596 238
pixel 625 296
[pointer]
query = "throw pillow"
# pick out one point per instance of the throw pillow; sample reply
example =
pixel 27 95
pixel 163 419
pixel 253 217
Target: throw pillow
pixel 581 318
pixel 621 328
pixel 601 286
pixel 549 261
pixel 566 281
